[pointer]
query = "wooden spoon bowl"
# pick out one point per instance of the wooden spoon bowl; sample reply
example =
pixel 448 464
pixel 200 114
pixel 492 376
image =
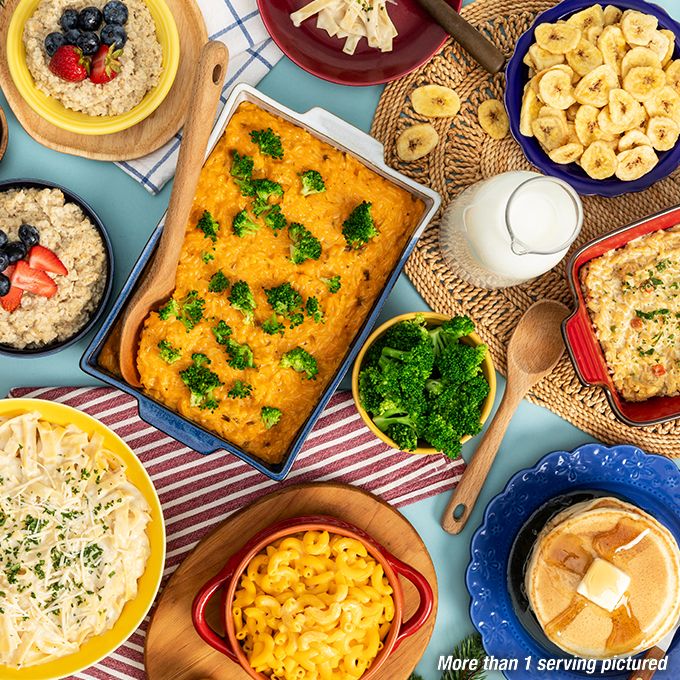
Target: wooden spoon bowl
pixel 4 133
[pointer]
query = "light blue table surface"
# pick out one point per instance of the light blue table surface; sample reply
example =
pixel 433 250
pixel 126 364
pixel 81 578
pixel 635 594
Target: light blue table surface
pixel 130 214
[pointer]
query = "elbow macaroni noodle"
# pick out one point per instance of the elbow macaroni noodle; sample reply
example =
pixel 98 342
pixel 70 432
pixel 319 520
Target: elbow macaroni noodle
pixel 313 606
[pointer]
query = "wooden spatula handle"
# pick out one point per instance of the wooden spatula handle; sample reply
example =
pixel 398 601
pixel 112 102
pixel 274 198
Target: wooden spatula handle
pixel 207 87
pixel 646 674
pixel 482 50
pixel 465 495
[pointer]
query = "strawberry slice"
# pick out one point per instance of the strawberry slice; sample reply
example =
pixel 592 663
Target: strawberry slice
pixel 105 64
pixel 12 300
pixel 69 63
pixel 33 280
pixel 45 260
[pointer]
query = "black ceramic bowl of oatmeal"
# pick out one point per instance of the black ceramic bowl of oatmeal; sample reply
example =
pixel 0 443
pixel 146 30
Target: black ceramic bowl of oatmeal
pixel 68 228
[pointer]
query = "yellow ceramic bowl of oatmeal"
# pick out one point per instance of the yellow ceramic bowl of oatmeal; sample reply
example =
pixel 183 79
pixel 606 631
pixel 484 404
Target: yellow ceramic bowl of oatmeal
pixel 86 108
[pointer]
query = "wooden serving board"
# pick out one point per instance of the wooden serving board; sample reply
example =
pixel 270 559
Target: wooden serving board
pixel 174 650
pixel 139 140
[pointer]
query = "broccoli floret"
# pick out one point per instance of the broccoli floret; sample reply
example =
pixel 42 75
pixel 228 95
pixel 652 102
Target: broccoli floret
pixel 241 166
pixel 268 142
pixel 313 309
pixel 359 228
pixel 402 430
pixel 262 190
pixel 450 332
pixel 170 308
pixel 270 416
pixel 304 245
pixel 301 361
pixel 201 382
pixel 240 355
pixel 208 225
pixel 275 219
pixel 273 326
pixel 241 298
pixel 286 302
pixel 189 311
pixel 333 283
pixel 312 182
pixel 459 363
pixel 221 332
pixel 240 390
pixel 168 353
pixel 218 282
pixel 243 225
pixel 207 257
pixel 453 412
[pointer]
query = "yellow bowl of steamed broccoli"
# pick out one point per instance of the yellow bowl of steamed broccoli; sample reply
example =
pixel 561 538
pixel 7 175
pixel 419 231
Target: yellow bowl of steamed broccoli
pixel 424 383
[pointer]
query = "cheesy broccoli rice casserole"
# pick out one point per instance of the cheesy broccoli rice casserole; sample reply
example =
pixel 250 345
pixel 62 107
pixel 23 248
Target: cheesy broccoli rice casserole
pixel 633 295
pixel 73 540
pixel 289 243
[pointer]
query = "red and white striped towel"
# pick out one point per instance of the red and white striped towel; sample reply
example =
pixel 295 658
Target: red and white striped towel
pixel 198 492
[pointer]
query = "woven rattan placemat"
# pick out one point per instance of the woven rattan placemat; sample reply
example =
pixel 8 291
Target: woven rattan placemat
pixel 466 155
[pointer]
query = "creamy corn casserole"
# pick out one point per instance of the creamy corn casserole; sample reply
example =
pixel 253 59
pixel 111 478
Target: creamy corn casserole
pixel 633 295
pixel 289 243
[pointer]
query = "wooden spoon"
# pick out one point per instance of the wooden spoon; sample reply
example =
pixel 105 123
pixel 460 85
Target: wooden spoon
pixel 535 348
pixel 481 49
pixel 158 280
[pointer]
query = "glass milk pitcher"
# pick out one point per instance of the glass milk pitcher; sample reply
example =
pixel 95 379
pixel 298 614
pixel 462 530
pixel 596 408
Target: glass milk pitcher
pixel 510 228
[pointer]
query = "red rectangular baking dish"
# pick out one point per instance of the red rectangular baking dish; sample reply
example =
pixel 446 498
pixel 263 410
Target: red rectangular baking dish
pixel 579 333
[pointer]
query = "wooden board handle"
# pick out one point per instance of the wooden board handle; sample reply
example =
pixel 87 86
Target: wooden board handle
pixel 647 674
pixel 481 49
pixel 465 495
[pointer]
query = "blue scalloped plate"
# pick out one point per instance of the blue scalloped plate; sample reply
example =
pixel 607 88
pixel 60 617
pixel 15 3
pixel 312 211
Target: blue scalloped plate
pixel 501 544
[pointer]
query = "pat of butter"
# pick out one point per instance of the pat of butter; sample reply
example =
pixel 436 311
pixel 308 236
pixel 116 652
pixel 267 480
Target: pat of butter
pixel 604 584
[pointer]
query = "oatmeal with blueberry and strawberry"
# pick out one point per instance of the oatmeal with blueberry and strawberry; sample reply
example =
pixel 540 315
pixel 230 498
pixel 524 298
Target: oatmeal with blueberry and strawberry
pixel 53 268
pixel 97 57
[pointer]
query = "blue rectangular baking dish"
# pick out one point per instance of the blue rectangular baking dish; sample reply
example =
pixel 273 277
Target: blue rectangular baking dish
pixel 342 136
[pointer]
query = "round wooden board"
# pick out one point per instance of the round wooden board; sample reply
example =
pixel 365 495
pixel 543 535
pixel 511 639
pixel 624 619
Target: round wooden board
pixel 138 140
pixel 173 649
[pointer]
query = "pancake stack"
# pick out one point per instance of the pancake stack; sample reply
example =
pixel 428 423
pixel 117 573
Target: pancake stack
pixel 603 580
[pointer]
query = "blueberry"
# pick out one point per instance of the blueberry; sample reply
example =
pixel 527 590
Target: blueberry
pixel 69 19
pixel 71 36
pixel 53 42
pixel 4 285
pixel 115 12
pixel 29 235
pixel 4 261
pixel 3 238
pixel 15 251
pixel 113 34
pixel 88 42
pixel 89 19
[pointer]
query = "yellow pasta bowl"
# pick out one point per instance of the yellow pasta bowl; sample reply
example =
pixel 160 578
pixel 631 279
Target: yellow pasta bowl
pixel 56 113
pixel 96 648
pixel 310 572
pixel 432 320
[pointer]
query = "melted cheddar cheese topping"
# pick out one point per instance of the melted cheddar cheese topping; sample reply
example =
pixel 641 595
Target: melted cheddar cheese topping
pixel 262 259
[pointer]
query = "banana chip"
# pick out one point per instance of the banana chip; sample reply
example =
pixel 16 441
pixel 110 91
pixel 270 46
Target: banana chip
pixel 550 131
pixel 635 163
pixel 638 28
pixel 557 38
pixel 632 139
pixel 435 101
pixel 673 75
pixel 531 105
pixel 594 88
pixel 555 89
pixel 584 58
pixel 542 59
pixel 493 118
pixel 663 133
pixel 569 153
pixel 587 18
pixel 643 82
pixel 599 160
pixel 416 141
pixel 611 15
pixel 639 56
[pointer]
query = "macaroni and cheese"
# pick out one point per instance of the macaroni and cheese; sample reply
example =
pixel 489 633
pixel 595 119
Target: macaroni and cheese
pixel 313 606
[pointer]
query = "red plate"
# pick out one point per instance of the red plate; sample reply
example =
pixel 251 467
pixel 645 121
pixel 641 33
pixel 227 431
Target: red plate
pixel 321 55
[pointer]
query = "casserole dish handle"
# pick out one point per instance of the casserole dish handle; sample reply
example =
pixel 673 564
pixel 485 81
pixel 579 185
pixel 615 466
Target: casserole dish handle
pixel 416 622
pixel 579 339
pixel 168 422
pixel 340 131
pixel 198 609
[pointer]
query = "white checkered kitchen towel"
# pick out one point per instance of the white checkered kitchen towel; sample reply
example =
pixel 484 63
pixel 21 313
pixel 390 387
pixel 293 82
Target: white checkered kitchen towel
pixel 252 54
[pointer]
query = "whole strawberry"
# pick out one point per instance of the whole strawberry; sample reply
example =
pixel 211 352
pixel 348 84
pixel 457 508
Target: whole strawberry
pixel 69 63
pixel 105 64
